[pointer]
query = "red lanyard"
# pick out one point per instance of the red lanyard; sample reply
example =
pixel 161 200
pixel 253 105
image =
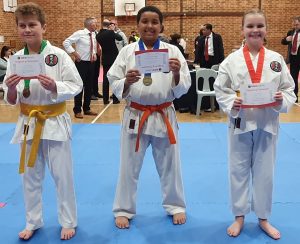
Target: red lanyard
pixel 255 76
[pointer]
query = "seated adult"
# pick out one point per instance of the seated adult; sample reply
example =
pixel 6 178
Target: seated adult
pixel 5 53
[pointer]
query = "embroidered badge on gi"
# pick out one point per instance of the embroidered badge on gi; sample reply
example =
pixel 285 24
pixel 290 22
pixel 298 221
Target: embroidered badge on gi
pixel 51 60
pixel 275 66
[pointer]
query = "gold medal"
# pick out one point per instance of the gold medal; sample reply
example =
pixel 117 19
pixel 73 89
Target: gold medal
pixel 26 92
pixel 147 80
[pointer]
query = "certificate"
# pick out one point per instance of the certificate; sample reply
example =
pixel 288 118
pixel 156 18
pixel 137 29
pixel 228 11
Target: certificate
pixel 152 61
pixel 258 95
pixel 27 66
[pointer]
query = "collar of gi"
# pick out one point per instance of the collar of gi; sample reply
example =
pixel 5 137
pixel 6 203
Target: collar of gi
pixel 43 45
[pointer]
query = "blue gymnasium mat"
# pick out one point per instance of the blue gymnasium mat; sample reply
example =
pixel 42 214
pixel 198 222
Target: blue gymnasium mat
pixel 204 168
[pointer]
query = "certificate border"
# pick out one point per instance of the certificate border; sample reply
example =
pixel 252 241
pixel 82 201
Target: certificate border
pixel 273 104
pixel 165 50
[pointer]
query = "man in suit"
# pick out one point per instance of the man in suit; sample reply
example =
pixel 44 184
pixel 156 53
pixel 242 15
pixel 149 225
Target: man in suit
pixel 197 38
pixel 95 87
pixel 107 39
pixel 124 41
pixel 210 50
pixel 293 40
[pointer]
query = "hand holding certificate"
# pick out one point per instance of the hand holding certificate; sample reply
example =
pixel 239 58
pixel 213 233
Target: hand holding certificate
pixel 152 61
pixel 27 66
pixel 258 95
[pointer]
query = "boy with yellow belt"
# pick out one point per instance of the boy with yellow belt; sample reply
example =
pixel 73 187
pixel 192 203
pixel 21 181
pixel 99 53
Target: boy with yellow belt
pixel 46 137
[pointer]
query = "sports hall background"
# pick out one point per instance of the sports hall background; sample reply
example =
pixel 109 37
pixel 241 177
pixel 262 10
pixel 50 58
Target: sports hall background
pixel 181 16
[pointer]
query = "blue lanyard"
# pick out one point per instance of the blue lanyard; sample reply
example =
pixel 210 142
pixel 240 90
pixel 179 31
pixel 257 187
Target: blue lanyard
pixel 142 48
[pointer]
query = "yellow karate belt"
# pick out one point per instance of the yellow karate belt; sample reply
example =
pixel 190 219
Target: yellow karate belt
pixel 41 113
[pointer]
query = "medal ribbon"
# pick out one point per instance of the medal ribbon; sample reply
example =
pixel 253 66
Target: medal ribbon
pixel 26 52
pixel 255 76
pixel 142 48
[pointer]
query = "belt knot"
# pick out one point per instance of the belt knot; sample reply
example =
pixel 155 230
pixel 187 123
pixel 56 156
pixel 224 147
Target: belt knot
pixel 148 110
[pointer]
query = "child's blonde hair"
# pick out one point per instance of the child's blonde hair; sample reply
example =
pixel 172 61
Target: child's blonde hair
pixel 253 11
pixel 30 9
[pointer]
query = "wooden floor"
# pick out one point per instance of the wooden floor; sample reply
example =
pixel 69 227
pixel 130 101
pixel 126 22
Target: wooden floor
pixel 112 113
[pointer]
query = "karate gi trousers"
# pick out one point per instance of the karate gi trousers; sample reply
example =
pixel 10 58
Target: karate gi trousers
pixel 167 160
pixel 251 163
pixel 57 156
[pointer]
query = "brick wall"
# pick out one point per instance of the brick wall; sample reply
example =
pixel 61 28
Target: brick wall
pixel 65 17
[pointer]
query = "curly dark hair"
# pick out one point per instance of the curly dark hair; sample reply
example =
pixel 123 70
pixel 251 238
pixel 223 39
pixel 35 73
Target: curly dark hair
pixel 149 9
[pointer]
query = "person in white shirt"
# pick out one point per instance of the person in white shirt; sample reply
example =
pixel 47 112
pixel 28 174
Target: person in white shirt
pixel 149 99
pixel 253 131
pixel 85 54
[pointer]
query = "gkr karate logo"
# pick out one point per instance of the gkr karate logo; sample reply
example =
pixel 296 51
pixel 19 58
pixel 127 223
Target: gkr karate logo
pixel 51 60
pixel 275 66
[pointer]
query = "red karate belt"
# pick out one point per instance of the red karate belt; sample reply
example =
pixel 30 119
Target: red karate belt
pixel 148 110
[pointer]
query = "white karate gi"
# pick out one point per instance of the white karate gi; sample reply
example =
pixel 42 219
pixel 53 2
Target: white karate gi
pixel 166 156
pixel 252 147
pixel 55 145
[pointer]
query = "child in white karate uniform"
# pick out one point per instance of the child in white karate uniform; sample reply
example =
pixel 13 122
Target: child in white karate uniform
pixel 253 131
pixel 149 118
pixel 48 133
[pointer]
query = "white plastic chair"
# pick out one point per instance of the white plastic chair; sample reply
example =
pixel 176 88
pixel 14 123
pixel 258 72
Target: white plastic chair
pixel 206 75
pixel 215 67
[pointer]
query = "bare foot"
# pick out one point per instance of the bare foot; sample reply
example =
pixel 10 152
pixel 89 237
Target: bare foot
pixel 122 222
pixel 26 234
pixel 269 229
pixel 179 218
pixel 235 228
pixel 67 233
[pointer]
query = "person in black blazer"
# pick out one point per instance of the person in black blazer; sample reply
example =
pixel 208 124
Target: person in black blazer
pixel 215 48
pixel 197 38
pixel 294 55
pixel 215 55
pixel 107 39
